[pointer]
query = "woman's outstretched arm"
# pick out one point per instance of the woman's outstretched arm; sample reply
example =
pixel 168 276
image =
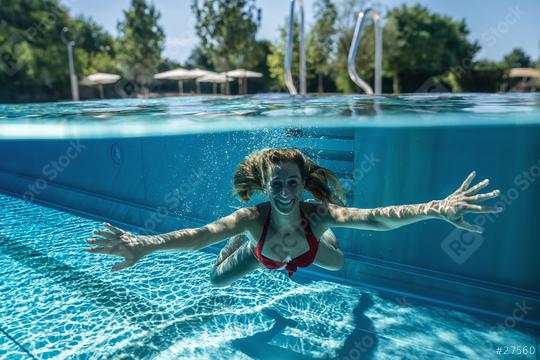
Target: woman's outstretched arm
pixel 132 247
pixel 451 209
pixel 199 238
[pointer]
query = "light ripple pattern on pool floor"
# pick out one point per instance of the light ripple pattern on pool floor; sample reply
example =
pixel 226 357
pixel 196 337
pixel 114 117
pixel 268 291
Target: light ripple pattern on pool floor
pixel 61 302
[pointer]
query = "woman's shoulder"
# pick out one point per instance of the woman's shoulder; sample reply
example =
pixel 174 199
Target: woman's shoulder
pixel 255 212
pixel 256 216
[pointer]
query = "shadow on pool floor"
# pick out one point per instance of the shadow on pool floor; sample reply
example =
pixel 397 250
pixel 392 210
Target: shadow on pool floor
pixel 360 344
pixel 414 327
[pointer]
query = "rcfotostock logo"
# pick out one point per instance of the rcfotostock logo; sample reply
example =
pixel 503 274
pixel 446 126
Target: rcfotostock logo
pixel 432 86
pixel 460 245
pixel 51 170
pixel 367 163
pixel 125 88
pixel 490 37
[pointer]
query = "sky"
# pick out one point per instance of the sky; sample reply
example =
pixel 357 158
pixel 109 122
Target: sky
pixel 498 25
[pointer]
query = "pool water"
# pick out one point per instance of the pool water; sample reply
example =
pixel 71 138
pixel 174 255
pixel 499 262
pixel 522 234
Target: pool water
pixel 57 301
pixel 207 114
pixel 156 165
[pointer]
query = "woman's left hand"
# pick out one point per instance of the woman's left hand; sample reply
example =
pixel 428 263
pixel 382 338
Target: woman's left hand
pixel 464 200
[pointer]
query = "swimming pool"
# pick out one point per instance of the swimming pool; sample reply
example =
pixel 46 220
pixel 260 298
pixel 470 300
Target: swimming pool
pixel 158 165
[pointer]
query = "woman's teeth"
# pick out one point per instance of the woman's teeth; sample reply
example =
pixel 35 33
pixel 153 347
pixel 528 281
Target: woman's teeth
pixel 285 203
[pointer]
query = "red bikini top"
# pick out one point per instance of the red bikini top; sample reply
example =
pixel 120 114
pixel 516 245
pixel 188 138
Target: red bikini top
pixel 291 266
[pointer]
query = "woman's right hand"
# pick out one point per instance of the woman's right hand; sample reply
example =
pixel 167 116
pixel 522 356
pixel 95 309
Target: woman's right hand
pixel 119 243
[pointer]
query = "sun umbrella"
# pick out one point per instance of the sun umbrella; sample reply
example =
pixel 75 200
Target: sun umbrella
pixel 242 75
pixel 198 73
pixel 100 79
pixel 181 74
pixel 176 74
pixel 214 79
pixel 524 72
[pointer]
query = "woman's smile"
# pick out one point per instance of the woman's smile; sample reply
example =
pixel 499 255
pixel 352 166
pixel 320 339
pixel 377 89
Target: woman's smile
pixel 283 205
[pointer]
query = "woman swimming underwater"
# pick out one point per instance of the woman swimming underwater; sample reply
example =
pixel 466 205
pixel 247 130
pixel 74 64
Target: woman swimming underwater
pixel 286 232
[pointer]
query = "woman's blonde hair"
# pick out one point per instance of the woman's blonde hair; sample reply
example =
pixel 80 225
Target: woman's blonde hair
pixel 252 173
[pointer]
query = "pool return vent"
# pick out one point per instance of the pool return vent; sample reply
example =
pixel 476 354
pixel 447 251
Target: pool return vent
pixel 288 55
pixel 116 154
pixel 353 50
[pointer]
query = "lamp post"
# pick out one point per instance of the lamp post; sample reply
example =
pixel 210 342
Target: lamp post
pixel 72 76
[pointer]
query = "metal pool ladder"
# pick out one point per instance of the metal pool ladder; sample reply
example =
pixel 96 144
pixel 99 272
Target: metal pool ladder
pixel 360 24
pixel 288 55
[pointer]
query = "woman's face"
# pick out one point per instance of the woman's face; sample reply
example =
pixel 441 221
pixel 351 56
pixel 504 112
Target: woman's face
pixel 284 187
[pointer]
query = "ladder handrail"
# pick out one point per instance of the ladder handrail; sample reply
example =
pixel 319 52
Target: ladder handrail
pixel 360 24
pixel 288 55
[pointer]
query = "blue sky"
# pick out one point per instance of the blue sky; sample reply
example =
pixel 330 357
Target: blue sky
pixel 498 25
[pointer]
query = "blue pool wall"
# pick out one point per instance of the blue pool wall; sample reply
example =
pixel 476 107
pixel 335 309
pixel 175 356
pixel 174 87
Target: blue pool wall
pixel 160 184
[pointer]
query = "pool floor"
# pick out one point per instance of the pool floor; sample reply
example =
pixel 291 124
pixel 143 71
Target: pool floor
pixel 57 301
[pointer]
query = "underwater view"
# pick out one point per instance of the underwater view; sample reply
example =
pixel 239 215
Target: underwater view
pixel 249 179
pixel 150 166
pixel 60 303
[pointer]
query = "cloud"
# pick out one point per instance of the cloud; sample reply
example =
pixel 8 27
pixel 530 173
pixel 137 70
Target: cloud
pixel 179 47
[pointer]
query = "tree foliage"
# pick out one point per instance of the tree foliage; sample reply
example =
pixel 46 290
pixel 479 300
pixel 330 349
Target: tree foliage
pixel 276 57
pixel 490 76
pixel 480 76
pixel 33 57
pixel 265 83
pixel 419 47
pixel 141 43
pixel 227 29
pixel 423 45
pixel 321 40
pixel 94 47
pixel 516 59
pixel 198 58
pixel 348 12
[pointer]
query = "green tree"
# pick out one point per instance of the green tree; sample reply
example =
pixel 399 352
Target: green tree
pixel 265 83
pixel 276 60
pixel 481 76
pixel 227 29
pixel 198 58
pixel 276 57
pixel 140 44
pixel 33 57
pixel 347 16
pixel 516 59
pixel 538 79
pixel 320 41
pixel 423 46
pixel 94 47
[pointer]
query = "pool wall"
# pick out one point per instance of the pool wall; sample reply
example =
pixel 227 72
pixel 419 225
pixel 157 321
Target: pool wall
pixel 159 184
